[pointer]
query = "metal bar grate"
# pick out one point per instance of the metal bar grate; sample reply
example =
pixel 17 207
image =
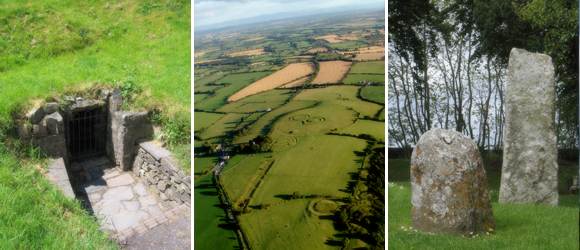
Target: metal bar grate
pixel 87 133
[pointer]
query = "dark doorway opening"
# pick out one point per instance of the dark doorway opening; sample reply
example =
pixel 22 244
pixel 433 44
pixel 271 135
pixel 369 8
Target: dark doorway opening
pixel 87 133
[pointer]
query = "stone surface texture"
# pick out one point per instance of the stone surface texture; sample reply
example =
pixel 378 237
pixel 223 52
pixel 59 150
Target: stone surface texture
pixel 127 128
pixel 58 175
pixel 449 185
pixel 530 167
pixel 160 172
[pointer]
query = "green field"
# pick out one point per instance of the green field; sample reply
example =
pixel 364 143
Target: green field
pixel 204 120
pixel 374 128
pixel 349 45
pixel 258 102
pixel 237 82
pixel 314 121
pixel 205 80
pixel 264 124
pixel 199 97
pixel 315 165
pixel 223 125
pixel 374 93
pixel 356 78
pixel 341 95
pixel 209 216
pixel 201 164
pixel 374 67
pixel 289 226
pixel 239 178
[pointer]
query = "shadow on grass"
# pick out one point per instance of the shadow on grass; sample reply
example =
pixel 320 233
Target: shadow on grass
pixel 283 196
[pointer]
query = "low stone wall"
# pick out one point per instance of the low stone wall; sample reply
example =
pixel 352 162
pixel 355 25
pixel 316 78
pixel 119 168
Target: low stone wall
pixel 47 131
pixel 158 170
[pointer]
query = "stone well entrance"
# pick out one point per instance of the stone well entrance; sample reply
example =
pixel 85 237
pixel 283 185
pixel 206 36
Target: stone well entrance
pixel 87 133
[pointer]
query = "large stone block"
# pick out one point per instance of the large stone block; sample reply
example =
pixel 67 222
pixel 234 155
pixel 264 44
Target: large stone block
pixel 449 185
pixel 53 145
pixel 54 123
pixel 124 137
pixel 35 115
pixel 529 171
pixel 51 107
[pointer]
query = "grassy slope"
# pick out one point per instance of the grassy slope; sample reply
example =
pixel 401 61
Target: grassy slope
pixel 374 93
pixel 374 128
pixel 517 226
pixel 204 120
pixel 50 47
pixel 209 215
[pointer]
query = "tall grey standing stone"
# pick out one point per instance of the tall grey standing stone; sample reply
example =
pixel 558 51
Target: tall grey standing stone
pixel 530 167
pixel 449 185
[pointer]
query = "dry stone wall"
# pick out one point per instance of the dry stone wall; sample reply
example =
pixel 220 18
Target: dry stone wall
pixel 159 171
pixel 47 131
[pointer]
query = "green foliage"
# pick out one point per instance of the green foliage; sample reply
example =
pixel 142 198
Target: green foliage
pixel 128 88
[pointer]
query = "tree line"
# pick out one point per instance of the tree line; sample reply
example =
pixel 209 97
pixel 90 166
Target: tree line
pixel 448 65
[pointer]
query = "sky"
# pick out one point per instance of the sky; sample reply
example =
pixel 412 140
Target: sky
pixel 216 11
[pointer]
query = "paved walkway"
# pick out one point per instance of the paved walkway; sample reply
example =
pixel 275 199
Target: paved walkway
pixel 117 198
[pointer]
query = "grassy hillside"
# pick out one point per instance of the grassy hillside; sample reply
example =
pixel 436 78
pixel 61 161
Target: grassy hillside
pixel 51 48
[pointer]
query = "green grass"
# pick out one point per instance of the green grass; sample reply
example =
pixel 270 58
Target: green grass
pixel 315 165
pixel 237 82
pixel 266 229
pixel 152 48
pixel 205 80
pixel 517 226
pixel 356 78
pixel 223 125
pixel 374 93
pixel 374 128
pixel 210 219
pixel 374 67
pixel 204 120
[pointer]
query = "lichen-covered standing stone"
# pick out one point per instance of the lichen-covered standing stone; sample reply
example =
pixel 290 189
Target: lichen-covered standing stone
pixel 530 167
pixel 449 185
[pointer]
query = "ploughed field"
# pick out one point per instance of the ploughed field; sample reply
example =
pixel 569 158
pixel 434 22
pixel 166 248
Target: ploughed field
pixel 289 196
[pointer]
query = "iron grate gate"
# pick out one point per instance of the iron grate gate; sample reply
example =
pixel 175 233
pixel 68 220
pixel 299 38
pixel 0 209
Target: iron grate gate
pixel 87 132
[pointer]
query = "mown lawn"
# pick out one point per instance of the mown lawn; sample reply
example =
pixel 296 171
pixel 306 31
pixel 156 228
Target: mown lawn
pixel 517 226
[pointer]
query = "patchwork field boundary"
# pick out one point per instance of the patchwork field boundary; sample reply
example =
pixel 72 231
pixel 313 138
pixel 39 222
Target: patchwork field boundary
pixel 252 186
pixel 237 164
pixel 358 94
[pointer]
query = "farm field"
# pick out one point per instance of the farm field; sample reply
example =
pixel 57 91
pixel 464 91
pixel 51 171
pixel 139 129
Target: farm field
pixel 374 93
pixel 209 215
pixel 289 226
pixel 374 128
pixel 236 82
pixel 242 174
pixel 369 56
pixel 259 102
pixel 357 78
pixel 285 176
pixel 316 50
pixel 332 72
pixel 199 97
pixel 287 74
pixel 249 52
pixel 296 83
pixel 375 67
pixel 205 80
pixel 264 124
pixel 224 125
pixel 204 120
pixel 201 164
pixel 314 165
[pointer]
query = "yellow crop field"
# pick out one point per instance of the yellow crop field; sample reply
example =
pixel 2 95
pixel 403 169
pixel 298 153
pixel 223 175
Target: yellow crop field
pixel 296 83
pixel 316 50
pixel 253 39
pixel 369 56
pixel 372 49
pixel 249 52
pixel 194 62
pixel 202 53
pixel 332 72
pixel 277 79
pixel 330 38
